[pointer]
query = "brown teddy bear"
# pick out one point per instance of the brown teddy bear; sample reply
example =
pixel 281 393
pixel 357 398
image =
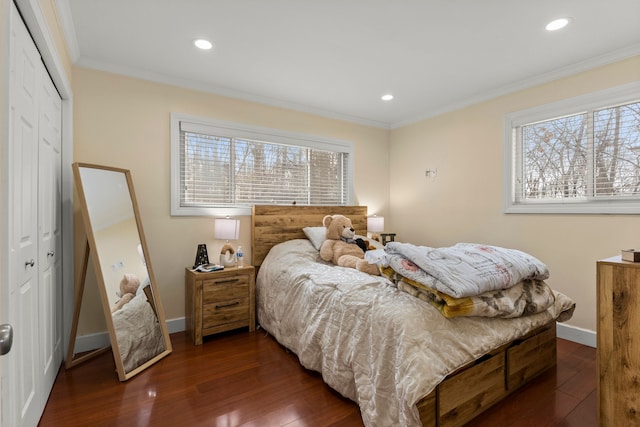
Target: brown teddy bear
pixel 128 288
pixel 340 246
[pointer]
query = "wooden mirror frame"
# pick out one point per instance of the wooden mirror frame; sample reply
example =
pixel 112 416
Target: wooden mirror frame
pixel 151 294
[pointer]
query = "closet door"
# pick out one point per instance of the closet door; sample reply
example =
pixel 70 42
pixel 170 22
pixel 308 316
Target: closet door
pixel 49 229
pixel 23 293
pixel 34 232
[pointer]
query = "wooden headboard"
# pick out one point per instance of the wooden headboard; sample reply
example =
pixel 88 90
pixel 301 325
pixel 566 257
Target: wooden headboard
pixel 273 224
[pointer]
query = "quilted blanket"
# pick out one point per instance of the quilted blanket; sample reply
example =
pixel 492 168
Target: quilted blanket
pixel 524 298
pixel 378 346
pixel 465 269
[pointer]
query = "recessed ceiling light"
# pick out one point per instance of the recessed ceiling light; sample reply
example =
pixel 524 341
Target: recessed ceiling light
pixel 556 24
pixel 387 97
pixel 203 44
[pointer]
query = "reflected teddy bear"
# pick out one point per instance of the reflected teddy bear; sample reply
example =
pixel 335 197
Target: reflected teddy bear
pixel 128 287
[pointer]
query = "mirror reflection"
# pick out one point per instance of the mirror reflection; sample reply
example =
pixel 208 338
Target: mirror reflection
pixel 137 328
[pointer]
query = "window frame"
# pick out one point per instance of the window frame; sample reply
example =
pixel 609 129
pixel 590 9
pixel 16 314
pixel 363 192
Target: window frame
pixel 627 93
pixel 241 130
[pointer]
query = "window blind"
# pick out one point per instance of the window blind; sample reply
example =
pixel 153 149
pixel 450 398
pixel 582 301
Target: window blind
pixel 222 167
pixel 590 155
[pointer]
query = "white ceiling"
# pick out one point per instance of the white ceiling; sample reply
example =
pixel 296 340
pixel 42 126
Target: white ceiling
pixel 338 57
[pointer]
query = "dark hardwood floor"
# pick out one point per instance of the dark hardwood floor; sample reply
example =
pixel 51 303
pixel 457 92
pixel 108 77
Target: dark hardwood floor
pixel 248 379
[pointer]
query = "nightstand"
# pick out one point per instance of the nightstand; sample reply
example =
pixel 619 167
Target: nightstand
pixel 219 301
pixel 387 237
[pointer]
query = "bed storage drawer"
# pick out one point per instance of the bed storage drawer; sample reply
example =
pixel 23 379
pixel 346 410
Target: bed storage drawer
pixel 530 357
pixel 427 409
pixel 472 390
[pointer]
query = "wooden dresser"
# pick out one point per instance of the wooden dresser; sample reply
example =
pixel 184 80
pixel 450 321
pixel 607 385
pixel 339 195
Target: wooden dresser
pixel 219 301
pixel 618 342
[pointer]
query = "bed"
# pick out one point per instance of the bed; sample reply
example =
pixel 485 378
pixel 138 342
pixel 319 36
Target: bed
pixel 369 340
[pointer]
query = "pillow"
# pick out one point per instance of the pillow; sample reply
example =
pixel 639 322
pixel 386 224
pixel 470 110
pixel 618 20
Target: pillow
pixel 316 235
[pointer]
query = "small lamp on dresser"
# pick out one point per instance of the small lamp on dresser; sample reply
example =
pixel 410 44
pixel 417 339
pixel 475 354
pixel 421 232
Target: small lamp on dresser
pixel 227 229
pixel 375 224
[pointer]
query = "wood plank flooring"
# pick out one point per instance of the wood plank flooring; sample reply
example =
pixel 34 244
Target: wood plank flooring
pixel 248 379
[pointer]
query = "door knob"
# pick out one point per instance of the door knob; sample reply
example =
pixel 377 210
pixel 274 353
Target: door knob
pixel 51 253
pixel 30 263
pixel 6 338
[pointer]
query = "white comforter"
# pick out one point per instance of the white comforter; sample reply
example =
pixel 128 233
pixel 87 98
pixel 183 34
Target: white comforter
pixel 378 346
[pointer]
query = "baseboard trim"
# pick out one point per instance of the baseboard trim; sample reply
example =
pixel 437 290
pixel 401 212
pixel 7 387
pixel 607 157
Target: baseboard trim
pixel 90 342
pixel 576 334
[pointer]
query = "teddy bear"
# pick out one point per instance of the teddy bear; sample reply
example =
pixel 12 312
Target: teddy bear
pixel 340 246
pixel 128 287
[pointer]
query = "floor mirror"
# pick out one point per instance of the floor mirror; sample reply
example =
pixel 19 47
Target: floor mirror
pixel 127 287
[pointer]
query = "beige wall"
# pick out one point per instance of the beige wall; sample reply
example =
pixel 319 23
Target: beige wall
pixel 464 202
pixel 125 122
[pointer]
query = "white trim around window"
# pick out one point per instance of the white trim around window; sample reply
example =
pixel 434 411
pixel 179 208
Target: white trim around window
pixel 628 93
pixel 242 131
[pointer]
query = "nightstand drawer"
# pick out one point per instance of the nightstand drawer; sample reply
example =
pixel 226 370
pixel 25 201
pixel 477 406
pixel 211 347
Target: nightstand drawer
pixel 225 289
pixel 224 312
pixel 219 301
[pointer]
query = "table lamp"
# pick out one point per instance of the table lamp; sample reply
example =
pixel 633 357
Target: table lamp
pixel 227 229
pixel 375 224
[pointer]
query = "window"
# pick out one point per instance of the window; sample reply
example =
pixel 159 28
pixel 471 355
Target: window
pixel 221 168
pixel 576 156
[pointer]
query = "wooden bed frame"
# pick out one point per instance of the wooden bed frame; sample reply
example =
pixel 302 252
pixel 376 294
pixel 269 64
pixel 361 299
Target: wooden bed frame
pixel 453 402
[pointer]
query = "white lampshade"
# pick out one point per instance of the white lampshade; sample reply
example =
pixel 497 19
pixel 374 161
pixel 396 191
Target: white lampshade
pixel 375 223
pixel 226 229
pixel 141 253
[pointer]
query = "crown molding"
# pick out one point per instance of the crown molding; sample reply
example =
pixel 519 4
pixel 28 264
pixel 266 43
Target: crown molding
pixel 578 67
pixel 68 29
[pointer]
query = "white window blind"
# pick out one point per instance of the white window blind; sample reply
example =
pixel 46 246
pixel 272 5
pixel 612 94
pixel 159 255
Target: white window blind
pixel 232 166
pixel 584 161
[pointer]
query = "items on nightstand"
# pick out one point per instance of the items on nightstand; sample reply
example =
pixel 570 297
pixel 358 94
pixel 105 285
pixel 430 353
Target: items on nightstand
pixel 219 301
pixel 240 256
pixel 201 256
pixel 631 255
pixel 227 229
pixel 387 237
pixel 207 268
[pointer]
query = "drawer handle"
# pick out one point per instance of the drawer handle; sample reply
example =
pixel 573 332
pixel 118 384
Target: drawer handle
pixel 228 280
pixel 227 305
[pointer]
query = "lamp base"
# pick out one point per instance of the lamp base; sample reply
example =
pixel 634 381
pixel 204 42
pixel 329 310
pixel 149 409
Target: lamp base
pixel 227 256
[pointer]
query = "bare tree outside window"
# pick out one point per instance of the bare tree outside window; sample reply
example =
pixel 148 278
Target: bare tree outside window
pixel 617 151
pixel 585 156
pixel 219 171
